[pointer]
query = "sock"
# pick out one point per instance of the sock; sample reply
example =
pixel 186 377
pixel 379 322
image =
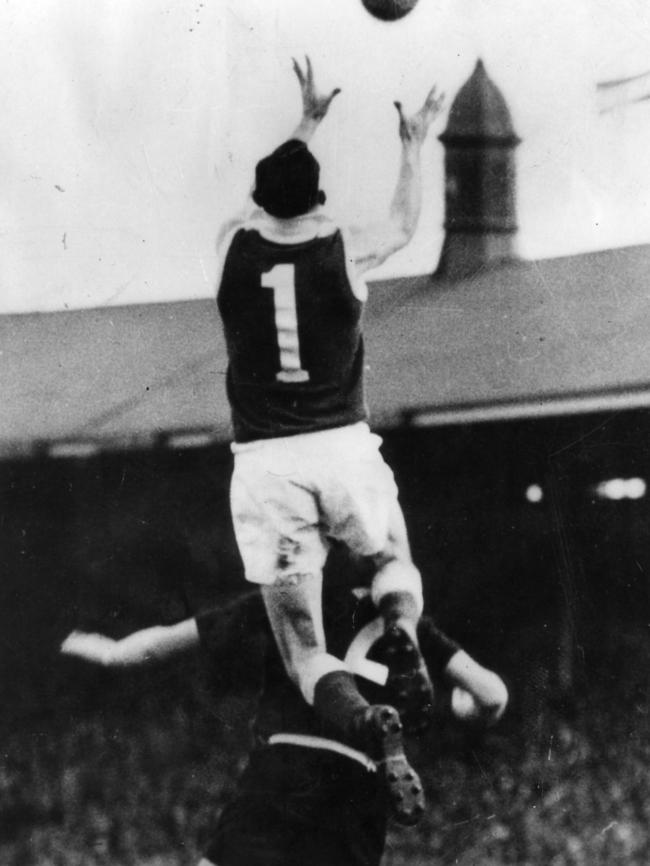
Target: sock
pixel 395 606
pixel 338 702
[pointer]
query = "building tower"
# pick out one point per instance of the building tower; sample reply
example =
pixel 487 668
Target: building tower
pixel 480 210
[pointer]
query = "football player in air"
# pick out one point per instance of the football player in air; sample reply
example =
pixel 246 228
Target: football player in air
pixel 307 468
pixel 306 796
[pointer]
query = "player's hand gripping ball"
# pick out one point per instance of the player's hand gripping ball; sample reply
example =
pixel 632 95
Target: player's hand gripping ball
pixel 389 10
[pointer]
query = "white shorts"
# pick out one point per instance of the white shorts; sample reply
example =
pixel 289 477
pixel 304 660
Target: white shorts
pixel 290 495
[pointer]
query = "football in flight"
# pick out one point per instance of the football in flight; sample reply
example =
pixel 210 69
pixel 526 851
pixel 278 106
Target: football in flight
pixel 389 10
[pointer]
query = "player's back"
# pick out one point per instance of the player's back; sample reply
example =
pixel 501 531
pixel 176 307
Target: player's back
pixel 292 326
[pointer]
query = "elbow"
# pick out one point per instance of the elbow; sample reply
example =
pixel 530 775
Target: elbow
pixel 115 656
pixel 396 238
pixel 109 658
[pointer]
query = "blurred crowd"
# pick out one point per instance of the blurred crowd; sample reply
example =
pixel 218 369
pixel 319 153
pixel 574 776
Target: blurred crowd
pixel 135 772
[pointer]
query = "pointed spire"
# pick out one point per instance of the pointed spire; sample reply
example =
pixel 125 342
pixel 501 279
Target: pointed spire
pixel 479 111
pixel 480 200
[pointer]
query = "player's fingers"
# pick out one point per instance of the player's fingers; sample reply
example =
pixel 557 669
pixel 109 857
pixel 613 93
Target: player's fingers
pixel 310 71
pixel 334 93
pixel 298 71
pixel 434 101
pixel 432 96
pixel 428 104
pixel 398 106
pixel 403 124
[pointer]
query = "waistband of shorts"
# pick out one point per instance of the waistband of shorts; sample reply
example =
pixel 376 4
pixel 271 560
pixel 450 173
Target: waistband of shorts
pixel 359 428
pixel 309 742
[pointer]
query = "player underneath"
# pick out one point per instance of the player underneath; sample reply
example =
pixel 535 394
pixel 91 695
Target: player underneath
pixel 305 796
pixel 307 468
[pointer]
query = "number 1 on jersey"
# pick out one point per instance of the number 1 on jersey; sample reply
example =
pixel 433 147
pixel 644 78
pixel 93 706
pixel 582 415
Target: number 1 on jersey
pixel 281 279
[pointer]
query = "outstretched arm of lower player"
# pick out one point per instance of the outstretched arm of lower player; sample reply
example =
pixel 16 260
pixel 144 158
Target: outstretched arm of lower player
pixel 372 245
pixel 478 693
pixel 218 629
pixel 139 648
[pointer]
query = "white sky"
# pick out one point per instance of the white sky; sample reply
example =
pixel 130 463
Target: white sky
pixel 129 130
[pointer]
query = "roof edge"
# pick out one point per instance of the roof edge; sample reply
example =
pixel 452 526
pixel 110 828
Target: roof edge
pixel 531 408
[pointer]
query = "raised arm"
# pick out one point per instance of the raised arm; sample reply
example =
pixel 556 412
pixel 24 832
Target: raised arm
pixel 314 105
pixel 142 647
pixel 372 245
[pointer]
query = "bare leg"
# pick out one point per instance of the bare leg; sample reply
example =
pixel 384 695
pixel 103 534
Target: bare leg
pixel 397 585
pixel 294 609
pixel 397 594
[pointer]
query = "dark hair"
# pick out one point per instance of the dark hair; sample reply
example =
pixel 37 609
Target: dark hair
pixel 286 181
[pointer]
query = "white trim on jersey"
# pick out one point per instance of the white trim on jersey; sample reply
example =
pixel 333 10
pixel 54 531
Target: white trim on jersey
pixel 315 224
pixel 310 742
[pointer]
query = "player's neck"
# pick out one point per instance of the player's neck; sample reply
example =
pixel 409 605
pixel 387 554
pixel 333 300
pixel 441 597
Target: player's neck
pixel 293 230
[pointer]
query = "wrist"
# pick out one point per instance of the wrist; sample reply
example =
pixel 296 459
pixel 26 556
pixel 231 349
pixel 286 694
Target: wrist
pixel 306 129
pixel 411 151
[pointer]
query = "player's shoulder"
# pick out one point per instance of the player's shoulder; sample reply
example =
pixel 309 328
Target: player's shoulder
pixel 318 223
pixel 233 225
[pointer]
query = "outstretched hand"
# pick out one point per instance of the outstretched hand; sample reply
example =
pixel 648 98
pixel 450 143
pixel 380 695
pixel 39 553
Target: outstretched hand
pixel 414 128
pixel 314 105
pixel 88 646
pixel 69 645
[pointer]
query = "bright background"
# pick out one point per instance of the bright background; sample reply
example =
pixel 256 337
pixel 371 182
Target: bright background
pixel 129 131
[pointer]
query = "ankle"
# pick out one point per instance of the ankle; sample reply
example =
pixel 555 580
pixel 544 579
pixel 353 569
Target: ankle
pixel 338 702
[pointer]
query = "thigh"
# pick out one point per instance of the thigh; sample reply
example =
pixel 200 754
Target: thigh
pixel 276 521
pixel 396 543
pixel 394 567
pixel 360 502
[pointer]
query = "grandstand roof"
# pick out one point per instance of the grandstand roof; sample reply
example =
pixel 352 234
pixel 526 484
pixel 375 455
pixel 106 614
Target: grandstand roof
pixel 544 337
